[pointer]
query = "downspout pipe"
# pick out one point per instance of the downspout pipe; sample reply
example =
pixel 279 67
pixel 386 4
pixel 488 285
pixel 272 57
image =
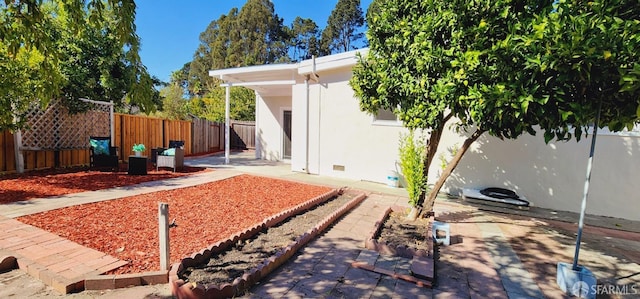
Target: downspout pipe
pixel 308 102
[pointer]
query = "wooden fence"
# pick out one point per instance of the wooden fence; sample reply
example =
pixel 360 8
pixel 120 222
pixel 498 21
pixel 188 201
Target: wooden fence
pixel 7 157
pixel 207 136
pixel 152 132
pixel 243 134
pixel 38 159
pixel 200 136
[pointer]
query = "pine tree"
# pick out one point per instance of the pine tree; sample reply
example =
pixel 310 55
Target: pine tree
pixel 253 35
pixel 305 37
pixel 343 28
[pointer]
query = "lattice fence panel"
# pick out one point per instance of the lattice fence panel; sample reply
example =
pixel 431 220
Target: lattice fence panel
pixel 54 128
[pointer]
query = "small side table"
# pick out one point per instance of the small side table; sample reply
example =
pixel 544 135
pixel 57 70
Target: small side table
pixel 137 165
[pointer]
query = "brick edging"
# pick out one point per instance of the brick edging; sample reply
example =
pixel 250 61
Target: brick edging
pixel 48 277
pixel 181 289
pixel 386 248
pixel 107 282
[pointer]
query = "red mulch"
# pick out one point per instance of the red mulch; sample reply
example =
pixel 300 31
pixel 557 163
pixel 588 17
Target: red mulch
pixel 54 182
pixel 127 228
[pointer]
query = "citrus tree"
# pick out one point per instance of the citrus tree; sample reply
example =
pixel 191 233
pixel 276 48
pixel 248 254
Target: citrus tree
pixel 583 59
pixel 500 67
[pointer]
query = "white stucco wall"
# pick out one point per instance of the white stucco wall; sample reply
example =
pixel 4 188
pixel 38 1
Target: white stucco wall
pixel 269 126
pixel 340 134
pixel 299 129
pixel 552 175
pixel 549 175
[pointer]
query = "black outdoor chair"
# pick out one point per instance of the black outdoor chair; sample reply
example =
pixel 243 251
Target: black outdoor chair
pixel 176 143
pixel 102 154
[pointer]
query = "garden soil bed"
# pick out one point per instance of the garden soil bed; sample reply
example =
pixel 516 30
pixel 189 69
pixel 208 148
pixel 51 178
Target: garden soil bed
pixel 400 231
pixel 393 234
pixel 55 182
pixel 245 255
pixel 127 228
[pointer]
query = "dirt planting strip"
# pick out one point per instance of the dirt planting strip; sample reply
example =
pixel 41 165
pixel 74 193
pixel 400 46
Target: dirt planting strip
pixel 394 235
pixel 229 268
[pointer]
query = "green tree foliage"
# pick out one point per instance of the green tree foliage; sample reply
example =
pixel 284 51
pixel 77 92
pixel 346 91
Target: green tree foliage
pixel 211 106
pixel 157 84
pixel 374 8
pixel 343 28
pixel 262 39
pixel 23 79
pixel 211 53
pixel 92 63
pixel 26 22
pixel 581 56
pixel 305 39
pixel 181 77
pixel 501 67
pixel 174 105
pixel 70 49
pixel 253 35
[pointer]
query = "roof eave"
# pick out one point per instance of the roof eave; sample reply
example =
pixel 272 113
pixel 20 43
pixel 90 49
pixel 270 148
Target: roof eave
pixel 253 69
pixel 336 61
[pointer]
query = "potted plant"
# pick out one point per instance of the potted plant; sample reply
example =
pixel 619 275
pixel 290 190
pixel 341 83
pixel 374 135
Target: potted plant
pixel 138 149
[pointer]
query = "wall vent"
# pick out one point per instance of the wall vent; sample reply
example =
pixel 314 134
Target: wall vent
pixel 338 167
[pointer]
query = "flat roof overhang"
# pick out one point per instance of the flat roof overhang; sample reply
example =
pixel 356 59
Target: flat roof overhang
pixel 267 80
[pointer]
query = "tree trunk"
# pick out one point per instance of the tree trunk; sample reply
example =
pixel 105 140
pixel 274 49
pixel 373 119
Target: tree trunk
pixel 413 214
pixel 430 200
pixel 432 148
pixel 430 152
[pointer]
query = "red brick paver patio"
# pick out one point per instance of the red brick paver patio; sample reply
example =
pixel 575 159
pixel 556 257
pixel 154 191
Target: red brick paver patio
pixel 58 262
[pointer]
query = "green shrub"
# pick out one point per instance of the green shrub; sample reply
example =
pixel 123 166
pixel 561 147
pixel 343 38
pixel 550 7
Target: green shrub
pixel 412 165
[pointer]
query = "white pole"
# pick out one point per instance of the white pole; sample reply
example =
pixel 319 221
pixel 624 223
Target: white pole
pixel 163 226
pixel 583 206
pixel 257 132
pixel 227 122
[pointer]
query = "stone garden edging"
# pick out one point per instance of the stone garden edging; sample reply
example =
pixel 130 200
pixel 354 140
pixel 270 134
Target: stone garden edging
pixel 181 289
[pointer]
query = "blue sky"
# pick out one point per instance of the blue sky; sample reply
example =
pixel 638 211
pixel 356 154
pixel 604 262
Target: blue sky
pixel 169 29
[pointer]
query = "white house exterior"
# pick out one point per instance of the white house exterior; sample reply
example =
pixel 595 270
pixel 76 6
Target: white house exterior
pixel 307 115
pixel 329 134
